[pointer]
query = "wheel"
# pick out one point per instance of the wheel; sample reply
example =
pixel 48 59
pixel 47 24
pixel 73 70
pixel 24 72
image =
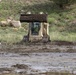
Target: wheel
pixel 46 39
pixel 26 38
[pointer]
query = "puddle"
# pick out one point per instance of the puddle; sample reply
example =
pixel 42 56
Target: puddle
pixel 39 62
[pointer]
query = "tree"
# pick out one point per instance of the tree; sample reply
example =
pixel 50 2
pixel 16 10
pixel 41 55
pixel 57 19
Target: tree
pixel 64 3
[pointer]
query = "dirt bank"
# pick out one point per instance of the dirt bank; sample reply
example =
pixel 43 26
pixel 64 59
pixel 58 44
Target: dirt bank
pixel 56 46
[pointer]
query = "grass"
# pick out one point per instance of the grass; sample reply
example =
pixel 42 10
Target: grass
pixel 63 36
pixel 11 35
pixel 61 21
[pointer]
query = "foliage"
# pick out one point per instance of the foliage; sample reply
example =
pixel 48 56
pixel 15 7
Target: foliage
pixel 63 3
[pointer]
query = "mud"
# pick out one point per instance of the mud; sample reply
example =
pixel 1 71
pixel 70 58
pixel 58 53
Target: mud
pixel 52 58
pixel 56 46
pixel 37 63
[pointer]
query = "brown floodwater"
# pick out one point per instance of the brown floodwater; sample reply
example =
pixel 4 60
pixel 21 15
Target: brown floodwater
pixel 37 63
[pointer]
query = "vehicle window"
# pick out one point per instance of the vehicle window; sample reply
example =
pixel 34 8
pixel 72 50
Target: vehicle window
pixel 35 27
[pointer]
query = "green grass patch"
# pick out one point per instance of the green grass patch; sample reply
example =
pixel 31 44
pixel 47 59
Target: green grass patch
pixel 11 35
pixel 63 36
pixel 61 27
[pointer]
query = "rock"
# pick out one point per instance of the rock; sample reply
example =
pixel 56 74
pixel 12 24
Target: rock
pixel 3 23
pixel 15 29
pixel 16 24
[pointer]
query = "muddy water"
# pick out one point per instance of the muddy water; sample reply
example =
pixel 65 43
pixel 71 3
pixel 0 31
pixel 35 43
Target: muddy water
pixel 38 62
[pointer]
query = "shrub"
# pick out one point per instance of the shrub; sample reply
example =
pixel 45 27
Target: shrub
pixel 63 3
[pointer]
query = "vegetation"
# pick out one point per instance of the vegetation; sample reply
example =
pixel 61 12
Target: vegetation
pixel 62 22
pixel 63 3
pixel 11 35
